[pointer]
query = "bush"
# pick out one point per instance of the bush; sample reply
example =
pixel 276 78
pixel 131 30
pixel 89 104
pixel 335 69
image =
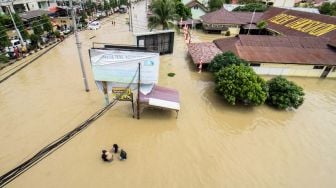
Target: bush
pixel 4 59
pixel 223 60
pixel 328 8
pixel 227 33
pixel 258 7
pixel 171 74
pixel 284 94
pixel 57 34
pixel 240 83
pixel 34 41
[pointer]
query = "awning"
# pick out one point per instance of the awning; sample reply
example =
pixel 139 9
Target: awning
pixel 250 26
pixel 33 14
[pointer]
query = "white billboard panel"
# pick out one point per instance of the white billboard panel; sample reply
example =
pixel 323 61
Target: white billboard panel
pixel 121 66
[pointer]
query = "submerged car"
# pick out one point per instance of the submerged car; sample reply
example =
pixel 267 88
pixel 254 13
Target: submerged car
pixel 94 25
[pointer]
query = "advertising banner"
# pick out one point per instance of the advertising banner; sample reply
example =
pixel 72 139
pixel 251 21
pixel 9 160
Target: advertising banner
pixel 121 66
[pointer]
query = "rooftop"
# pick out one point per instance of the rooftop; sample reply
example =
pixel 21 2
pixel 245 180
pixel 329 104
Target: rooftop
pixel 33 14
pixel 222 16
pixel 270 49
pixel 204 52
pixel 297 23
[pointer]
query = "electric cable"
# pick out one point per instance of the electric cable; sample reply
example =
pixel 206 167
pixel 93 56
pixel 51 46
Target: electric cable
pixel 56 144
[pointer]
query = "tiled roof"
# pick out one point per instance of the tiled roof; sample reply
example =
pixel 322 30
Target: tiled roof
pixel 204 52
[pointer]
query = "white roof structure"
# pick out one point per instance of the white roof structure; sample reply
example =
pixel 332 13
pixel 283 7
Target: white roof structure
pixel 310 10
pixel 230 7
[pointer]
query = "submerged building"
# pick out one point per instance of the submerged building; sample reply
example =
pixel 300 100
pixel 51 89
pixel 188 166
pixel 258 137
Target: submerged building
pixel 304 45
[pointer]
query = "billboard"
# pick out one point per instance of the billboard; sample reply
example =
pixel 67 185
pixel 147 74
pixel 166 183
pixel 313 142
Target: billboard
pixel 121 66
pixel 158 41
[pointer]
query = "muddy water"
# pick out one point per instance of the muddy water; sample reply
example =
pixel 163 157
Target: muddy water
pixel 211 144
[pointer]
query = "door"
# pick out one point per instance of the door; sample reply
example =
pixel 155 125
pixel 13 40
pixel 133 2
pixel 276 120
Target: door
pixel 326 72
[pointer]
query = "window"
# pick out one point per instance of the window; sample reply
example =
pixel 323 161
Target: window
pixel 255 64
pixel 318 67
pixel 334 69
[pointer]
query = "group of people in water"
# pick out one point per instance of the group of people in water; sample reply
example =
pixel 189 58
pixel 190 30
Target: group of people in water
pixel 107 156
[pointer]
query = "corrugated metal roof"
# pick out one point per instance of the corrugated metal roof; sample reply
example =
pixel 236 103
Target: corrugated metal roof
pixel 280 49
pixel 281 28
pixel 33 14
pixel 221 16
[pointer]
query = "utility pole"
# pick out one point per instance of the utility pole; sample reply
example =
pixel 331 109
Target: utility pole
pixel 131 19
pixel 17 30
pixel 79 47
pixel 248 32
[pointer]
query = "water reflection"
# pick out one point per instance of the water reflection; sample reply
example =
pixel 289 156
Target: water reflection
pixel 239 118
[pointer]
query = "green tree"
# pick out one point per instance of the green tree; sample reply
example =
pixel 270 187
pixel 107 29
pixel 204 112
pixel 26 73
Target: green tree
pixel 262 24
pixel 3 59
pixel 4 40
pixel 258 7
pixel 328 8
pixel 83 18
pixel 163 14
pixel 123 2
pixel 248 1
pixel 223 60
pixel 45 21
pixel 113 3
pixel 90 7
pixel 5 20
pixel 107 7
pixel 215 4
pixel 100 7
pixel 284 94
pixel 37 28
pixel 181 10
pixel 240 83
pixel 20 26
pixel 34 41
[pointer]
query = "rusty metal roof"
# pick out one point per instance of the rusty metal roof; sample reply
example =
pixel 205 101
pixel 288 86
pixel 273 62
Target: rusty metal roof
pixel 280 49
pixel 221 16
pixel 281 28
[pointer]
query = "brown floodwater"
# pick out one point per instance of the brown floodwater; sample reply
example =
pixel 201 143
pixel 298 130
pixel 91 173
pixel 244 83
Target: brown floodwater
pixel 211 144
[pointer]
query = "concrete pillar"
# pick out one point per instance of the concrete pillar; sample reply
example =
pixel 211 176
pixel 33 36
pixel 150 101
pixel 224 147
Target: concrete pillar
pixel 11 8
pixel 25 6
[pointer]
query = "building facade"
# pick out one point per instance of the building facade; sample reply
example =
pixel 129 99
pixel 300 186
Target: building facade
pixel 197 9
pixel 20 6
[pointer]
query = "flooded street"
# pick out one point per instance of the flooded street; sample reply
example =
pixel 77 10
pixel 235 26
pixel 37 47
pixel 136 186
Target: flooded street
pixel 211 144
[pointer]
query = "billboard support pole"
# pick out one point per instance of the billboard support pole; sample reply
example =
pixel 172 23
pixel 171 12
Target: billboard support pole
pixel 107 101
pixel 138 101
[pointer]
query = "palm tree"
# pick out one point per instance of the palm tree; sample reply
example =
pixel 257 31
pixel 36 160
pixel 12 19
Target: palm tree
pixel 261 25
pixel 163 14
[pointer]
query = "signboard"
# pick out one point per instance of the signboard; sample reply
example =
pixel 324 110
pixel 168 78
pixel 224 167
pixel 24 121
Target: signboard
pixel 158 41
pixel 122 94
pixel 312 27
pixel 121 66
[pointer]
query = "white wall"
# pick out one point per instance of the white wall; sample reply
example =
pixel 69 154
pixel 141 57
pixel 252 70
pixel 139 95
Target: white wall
pixel 289 70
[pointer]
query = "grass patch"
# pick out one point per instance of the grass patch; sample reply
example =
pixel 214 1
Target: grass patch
pixel 171 74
